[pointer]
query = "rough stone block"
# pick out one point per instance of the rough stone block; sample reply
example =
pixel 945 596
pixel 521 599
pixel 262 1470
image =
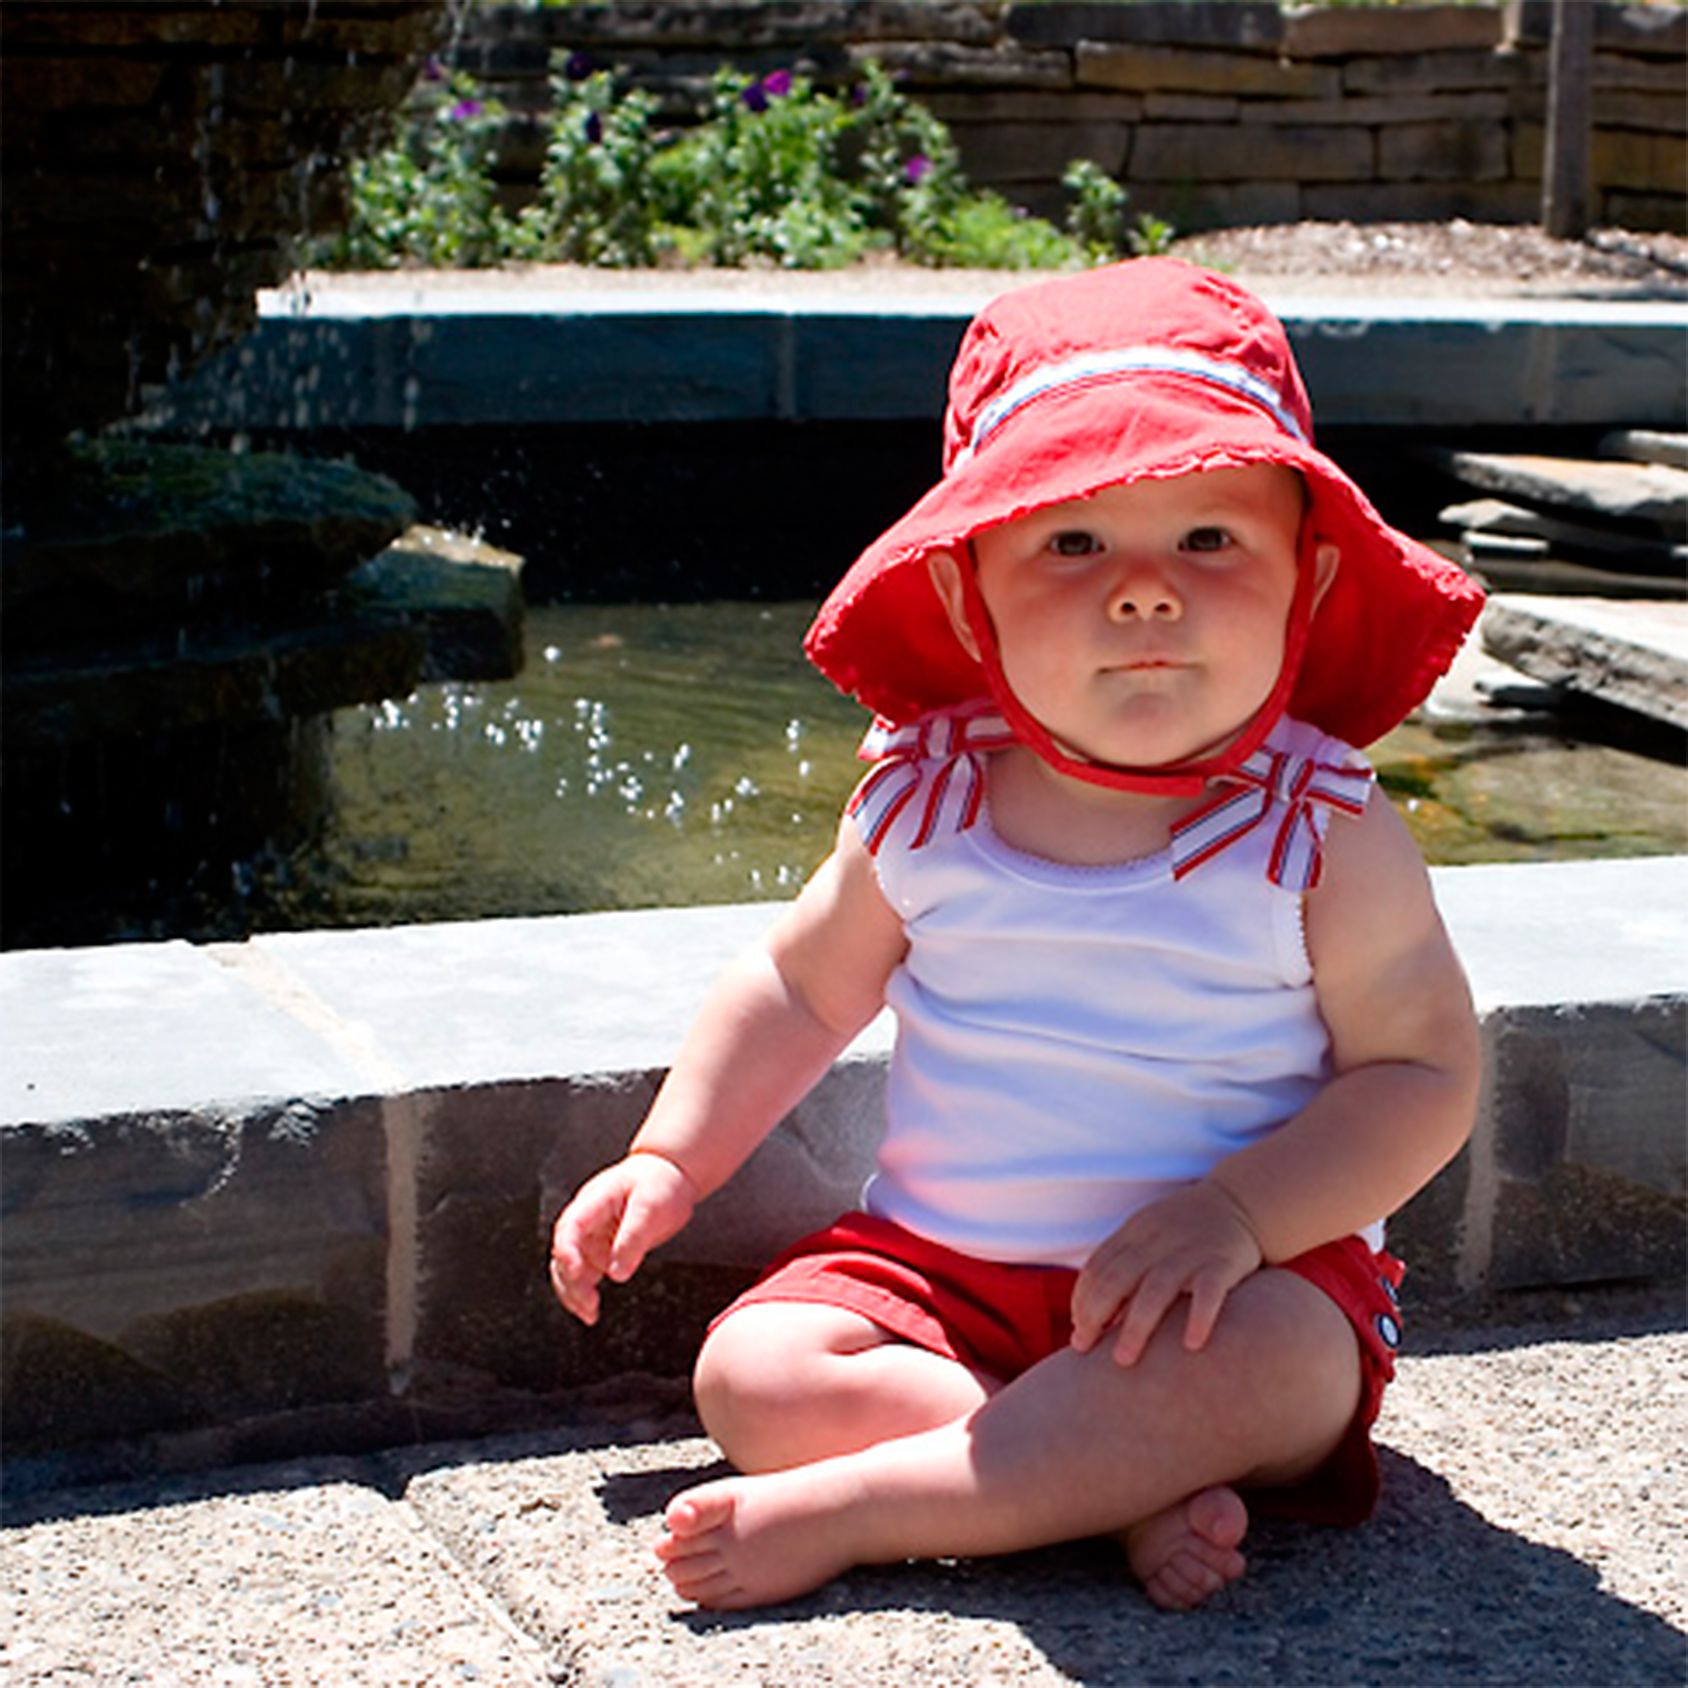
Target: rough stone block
pixel 1645 210
pixel 1216 205
pixel 1149 70
pixel 1444 72
pixel 1004 153
pixel 1589 1186
pixel 166 1269
pixel 1381 110
pixel 1201 108
pixel 1334 32
pixel 1646 445
pixel 780 23
pixel 1033 106
pixel 1653 494
pixel 1617 71
pixel 1634 161
pixel 1645 29
pixel 463 596
pixel 1243 24
pixel 1442 152
pixel 1632 654
pixel 221 679
pixel 1613 108
pixel 1416 202
pixel 942 63
pixel 1191 152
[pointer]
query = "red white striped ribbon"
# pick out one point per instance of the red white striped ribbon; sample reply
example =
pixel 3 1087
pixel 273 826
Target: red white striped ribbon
pixel 957 791
pixel 1272 780
pixel 1268 782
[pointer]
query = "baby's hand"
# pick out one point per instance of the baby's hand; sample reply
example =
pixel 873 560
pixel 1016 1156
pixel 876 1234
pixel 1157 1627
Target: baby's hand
pixel 614 1220
pixel 1194 1242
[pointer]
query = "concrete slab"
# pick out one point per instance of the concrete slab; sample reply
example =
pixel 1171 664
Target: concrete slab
pixel 97 1033
pixel 404 351
pixel 1654 494
pixel 291 1575
pixel 1539 935
pixel 467 1002
pixel 1633 654
pixel 171 1272
pixel 1530 1530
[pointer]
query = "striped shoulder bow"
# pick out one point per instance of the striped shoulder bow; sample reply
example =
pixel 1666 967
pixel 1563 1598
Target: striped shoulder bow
pixel 933 767
pixel 1273 787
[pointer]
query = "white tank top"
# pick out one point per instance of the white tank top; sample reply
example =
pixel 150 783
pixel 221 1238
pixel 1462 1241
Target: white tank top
pixel 1073 1042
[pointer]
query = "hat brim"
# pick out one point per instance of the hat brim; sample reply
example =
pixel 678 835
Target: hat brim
pixel 1388 627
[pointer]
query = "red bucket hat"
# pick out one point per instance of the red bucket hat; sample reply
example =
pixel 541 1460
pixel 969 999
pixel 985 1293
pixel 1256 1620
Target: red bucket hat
pixel 1145 369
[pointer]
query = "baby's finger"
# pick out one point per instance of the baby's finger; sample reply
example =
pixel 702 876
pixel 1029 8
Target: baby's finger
pixel 1097 1295
pixel 1207 1301
pixel 579 1296
pixel 1149 1305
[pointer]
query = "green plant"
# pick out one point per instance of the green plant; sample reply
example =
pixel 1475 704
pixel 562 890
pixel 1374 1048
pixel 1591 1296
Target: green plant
pixel 780 172
pixel 598 191
pixel 429 199
pixel 762 179
pixel 1096 217
pixel 1150 236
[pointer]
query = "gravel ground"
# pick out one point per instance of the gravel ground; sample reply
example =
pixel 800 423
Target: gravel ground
pixel 1478 260
pixel 1451 257
pixel 1531 1530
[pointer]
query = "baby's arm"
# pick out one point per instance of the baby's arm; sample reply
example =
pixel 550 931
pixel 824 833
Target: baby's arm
pixel 766 1033
pixel 1401 1101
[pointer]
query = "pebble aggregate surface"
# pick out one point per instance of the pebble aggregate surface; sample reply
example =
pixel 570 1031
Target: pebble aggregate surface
pixel 1535 1508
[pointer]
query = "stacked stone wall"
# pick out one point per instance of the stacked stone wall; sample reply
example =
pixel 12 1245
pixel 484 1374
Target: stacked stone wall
pixel 1213 112
pixel 160 160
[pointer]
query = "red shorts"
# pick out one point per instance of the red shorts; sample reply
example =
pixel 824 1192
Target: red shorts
pixel 1002 1319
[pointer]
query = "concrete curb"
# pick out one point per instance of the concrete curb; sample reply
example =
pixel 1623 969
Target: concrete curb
pixel 312 1174
pixel 396 352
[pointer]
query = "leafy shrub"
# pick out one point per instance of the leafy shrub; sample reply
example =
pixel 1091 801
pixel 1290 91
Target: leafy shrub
pixel 762 177
pixel 430 198
pixel 598 191
pixel 779 173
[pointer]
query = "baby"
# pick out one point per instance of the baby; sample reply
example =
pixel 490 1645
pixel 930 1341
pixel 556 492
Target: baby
pixel 1177 1023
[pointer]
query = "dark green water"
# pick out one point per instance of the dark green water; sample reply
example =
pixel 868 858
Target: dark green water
pixel 655 755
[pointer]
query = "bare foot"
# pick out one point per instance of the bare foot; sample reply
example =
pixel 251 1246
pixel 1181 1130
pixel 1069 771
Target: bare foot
pixel 752 1541
pixel 1189 1551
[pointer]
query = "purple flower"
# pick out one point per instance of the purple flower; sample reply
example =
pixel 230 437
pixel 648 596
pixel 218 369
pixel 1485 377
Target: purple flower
pixel 465 109
pixel 858 95
pixel 777 84
pixel 579 66
pixel 594 128
pixel 755 97
pixel 917 168
pixel 432 69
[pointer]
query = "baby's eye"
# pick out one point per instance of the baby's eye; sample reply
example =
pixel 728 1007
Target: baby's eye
pixel 1074 542
pixel 1207 539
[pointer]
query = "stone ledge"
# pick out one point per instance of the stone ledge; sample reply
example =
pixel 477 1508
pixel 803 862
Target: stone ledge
pixel 345 1147
pixel 409 351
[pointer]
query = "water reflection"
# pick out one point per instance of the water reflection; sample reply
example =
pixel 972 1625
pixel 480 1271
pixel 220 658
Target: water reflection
pixel 657 755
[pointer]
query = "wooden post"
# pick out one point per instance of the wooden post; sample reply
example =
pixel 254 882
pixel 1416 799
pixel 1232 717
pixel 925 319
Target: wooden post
pixel 1565 167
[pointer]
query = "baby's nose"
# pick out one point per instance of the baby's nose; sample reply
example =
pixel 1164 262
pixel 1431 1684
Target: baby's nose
pixel 1145 593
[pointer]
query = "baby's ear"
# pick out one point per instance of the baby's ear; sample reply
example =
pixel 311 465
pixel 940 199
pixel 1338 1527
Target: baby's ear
pixel 1327 559
pixel 945 569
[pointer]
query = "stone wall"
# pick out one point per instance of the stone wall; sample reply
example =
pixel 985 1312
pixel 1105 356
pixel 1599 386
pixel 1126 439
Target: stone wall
pixel 159 161
pixel 1212 111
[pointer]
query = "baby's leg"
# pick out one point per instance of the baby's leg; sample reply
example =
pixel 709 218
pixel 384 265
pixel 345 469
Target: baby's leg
pixel 1077 1446
pixel 783 1383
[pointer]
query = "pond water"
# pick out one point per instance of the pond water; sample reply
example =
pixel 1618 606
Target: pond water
pixel 683 754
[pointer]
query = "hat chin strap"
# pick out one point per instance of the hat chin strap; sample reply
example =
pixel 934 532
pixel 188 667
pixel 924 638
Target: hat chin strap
pixel 1174 779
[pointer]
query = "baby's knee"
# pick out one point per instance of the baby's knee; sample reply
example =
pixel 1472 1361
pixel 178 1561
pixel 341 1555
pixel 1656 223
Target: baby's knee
pixel 746 1378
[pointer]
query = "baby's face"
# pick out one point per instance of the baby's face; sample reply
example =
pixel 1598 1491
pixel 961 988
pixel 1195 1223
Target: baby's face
pixel 1145 625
